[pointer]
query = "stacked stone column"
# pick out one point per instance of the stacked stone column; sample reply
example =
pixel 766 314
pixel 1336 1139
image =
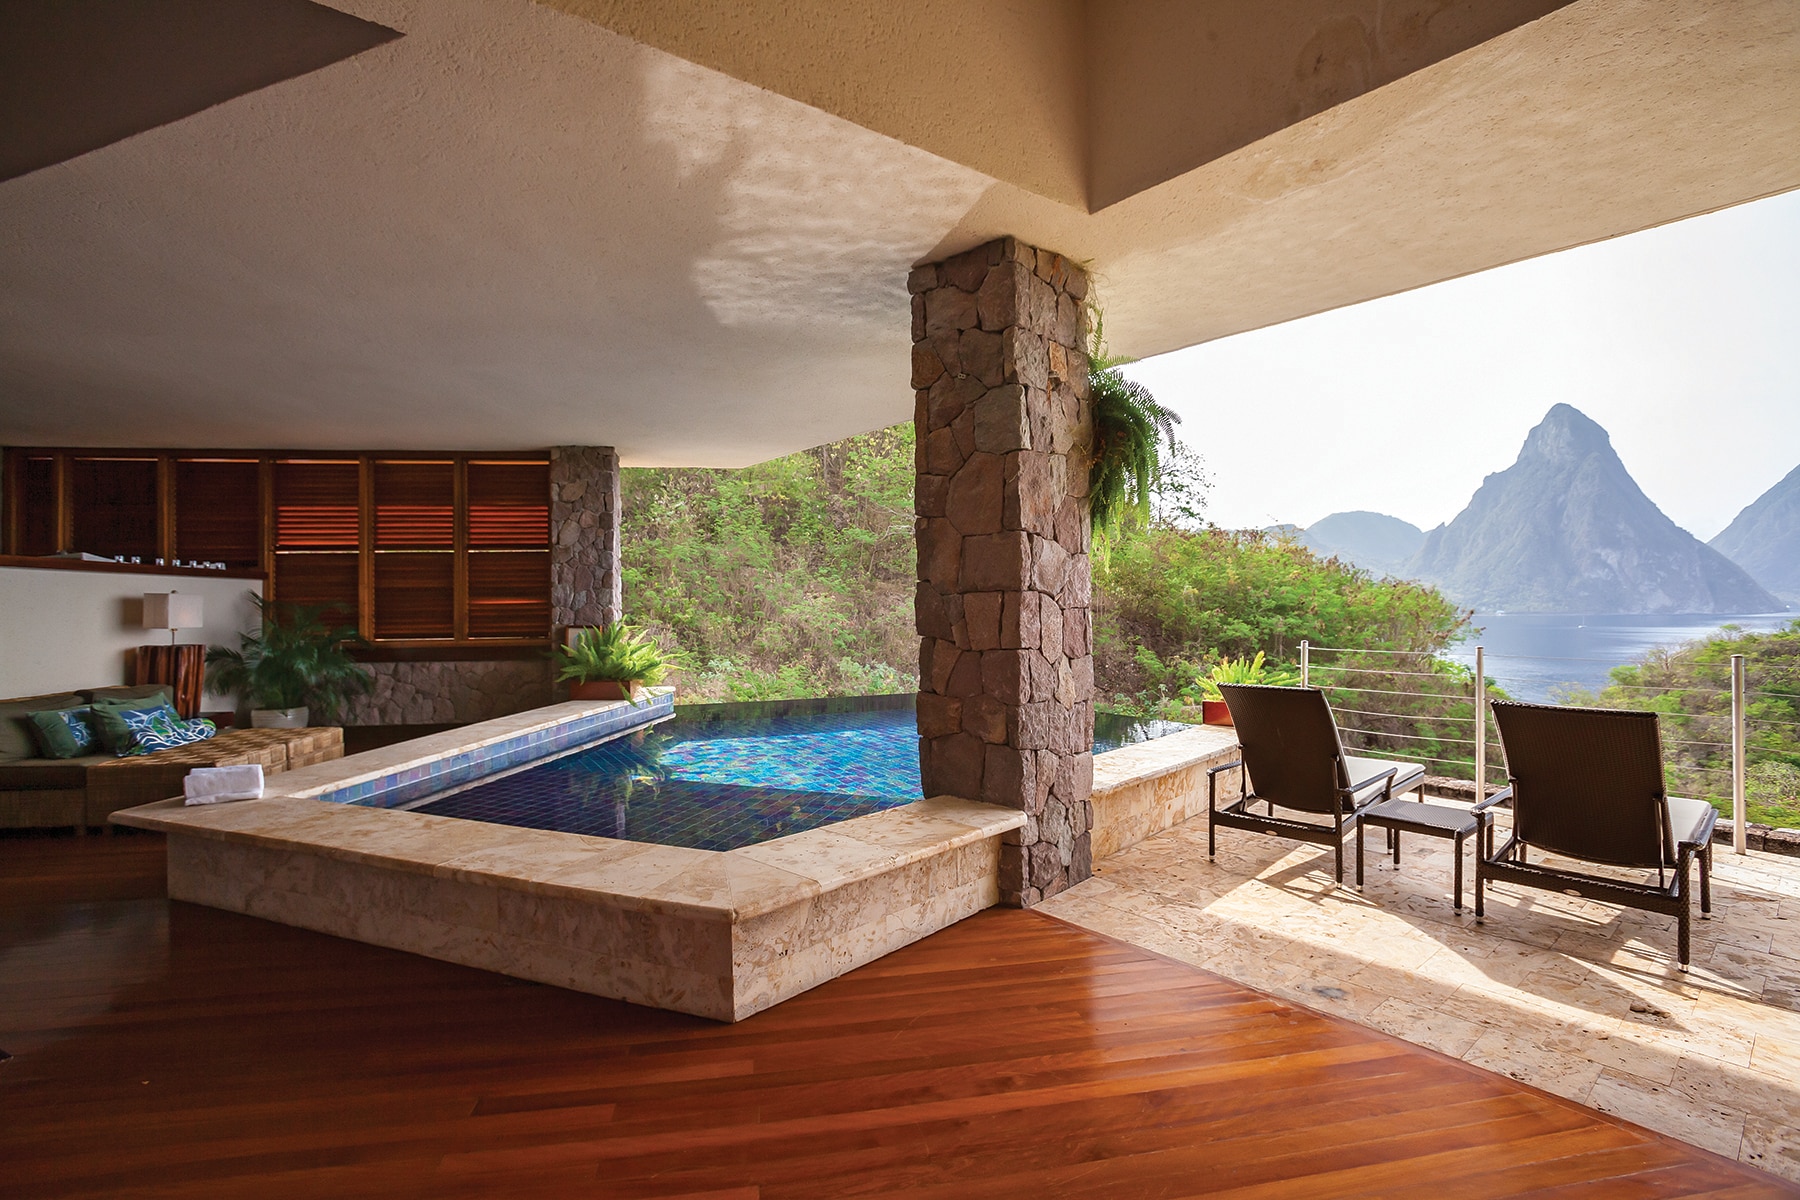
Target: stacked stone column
pixel 586 587
pixel 1006 669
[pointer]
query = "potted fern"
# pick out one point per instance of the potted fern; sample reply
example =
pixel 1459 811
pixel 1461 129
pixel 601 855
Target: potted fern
pixel 1213 709
pixel 292 669
pixel 611 663
pixel 1126 459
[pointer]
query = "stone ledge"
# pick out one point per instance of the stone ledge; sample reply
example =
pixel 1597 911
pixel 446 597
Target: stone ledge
pixel 1143 789
pixel 1768 838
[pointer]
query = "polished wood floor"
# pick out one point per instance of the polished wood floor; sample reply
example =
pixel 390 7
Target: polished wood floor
pixel 169 1050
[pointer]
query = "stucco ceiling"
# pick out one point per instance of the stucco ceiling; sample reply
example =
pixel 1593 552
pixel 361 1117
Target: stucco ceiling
pixel 515 226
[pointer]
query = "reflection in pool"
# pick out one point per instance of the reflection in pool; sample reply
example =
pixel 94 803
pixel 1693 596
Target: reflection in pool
pixel 720 776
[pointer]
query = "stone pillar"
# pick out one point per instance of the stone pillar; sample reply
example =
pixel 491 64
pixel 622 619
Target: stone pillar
pixel 1006 669
pixel 586 587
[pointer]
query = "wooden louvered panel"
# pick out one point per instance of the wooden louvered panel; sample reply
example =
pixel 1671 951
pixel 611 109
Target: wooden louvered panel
pixel 415 504
pixel 315 580
pixel 509 504
pixel 414 594
pixel 115 507
pixel 509 593
pixel 218 512
pixel 316 504
pixel 37 502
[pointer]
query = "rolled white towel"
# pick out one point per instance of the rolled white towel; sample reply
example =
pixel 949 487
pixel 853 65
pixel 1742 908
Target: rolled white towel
pixel 214 785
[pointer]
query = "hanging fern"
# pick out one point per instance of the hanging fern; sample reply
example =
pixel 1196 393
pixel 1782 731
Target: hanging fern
pixel 1126 463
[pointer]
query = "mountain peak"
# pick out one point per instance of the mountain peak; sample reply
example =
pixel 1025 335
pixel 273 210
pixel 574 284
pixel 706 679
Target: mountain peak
pixel 1566 529
pixel 1764 539
pixel 1566 435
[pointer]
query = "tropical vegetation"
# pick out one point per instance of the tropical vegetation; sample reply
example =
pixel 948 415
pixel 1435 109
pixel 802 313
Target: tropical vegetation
pixel 1129 425
pixel 294 659
pixel 795 577
pixel 1690 687
pixel 616 653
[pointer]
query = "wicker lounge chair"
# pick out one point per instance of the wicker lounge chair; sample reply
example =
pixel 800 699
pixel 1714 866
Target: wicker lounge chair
pixel 1587 784
pixel 1295 760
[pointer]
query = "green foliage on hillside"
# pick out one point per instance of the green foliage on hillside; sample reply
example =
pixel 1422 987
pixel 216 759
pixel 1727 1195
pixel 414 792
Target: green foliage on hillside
pixel 1691 688
pixel 1175 601
pixel 795 578
pixel 790 578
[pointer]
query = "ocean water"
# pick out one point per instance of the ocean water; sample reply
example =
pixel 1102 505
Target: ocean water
pixel 1534 655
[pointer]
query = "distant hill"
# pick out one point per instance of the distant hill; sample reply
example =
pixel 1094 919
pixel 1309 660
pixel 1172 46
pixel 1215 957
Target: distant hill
pixel 1566 529
pixel 1765 538
pixel 1373 541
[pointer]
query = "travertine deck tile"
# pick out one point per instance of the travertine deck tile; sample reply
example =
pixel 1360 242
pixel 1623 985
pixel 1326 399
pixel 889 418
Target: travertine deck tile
pixel 1543 991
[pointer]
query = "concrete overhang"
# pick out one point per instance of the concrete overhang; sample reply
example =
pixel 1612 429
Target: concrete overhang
pixel 683 229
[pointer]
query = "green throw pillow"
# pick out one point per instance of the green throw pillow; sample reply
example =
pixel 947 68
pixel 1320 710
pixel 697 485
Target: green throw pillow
pixel 63 732
pixel 117 735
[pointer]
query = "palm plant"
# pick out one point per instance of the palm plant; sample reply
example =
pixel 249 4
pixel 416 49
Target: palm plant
pixel 1126 457
pixel 293 660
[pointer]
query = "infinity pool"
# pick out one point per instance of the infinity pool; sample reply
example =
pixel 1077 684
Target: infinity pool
pixel 722 776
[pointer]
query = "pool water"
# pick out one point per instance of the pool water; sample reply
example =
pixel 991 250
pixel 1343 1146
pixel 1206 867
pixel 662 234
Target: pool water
pixel 721 776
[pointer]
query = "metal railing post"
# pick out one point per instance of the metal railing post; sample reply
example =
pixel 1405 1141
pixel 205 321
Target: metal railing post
pixel 1305 663
pixel 1480 724
pixel 1740 836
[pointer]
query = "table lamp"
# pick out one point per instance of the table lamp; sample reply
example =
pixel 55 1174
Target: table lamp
pixel 172 611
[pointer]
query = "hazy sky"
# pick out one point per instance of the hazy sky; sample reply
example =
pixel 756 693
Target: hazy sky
pixel 1683 342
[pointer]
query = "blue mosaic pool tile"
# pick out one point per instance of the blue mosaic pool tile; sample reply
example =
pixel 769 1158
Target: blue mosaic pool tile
pixel 717 777
pixel 414 783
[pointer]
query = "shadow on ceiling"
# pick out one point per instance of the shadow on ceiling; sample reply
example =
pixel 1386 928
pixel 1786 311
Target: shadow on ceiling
pixel 76 75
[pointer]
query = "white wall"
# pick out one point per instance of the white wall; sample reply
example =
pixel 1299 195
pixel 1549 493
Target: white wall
pixel 61 630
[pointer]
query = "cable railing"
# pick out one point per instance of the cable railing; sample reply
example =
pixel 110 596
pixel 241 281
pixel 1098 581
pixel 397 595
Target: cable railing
pixel 1466 704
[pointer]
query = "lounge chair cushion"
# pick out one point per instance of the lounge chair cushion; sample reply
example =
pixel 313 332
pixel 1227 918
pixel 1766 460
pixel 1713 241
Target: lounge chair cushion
pixel 1687 819
pixel 1366 768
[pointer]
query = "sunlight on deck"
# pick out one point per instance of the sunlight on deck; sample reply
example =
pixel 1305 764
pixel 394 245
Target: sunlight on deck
pixel 1579 998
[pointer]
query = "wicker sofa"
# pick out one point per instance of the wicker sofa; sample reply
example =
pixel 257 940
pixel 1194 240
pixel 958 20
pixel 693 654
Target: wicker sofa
pixel 82 792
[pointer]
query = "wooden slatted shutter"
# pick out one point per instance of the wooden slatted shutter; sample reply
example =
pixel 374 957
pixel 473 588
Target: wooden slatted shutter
pixel 317 525
pixel 415 542
pixel 38 504
pixel 115 508
pixel 509 549
pixel 218 511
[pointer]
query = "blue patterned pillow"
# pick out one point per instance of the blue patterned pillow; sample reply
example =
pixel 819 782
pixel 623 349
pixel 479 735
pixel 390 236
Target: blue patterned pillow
pixel 161 729
pixel 63 733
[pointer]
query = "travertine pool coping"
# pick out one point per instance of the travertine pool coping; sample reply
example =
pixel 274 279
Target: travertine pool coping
pixel 1142 789
pixel 720 934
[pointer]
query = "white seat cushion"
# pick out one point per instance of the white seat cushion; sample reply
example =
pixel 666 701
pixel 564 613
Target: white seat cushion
pixel 1687 818
pixel 1365 768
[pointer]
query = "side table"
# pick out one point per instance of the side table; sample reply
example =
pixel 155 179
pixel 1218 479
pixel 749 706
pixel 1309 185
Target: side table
pixel 1414 816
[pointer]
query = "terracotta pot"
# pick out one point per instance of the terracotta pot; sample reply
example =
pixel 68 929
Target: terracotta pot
pixel 603 689
pixel 1215 712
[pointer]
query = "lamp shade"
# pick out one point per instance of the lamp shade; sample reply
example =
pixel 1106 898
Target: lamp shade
pixel 172 610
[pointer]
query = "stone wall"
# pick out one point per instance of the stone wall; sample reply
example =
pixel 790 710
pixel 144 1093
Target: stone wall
pixel 445 693
pixel 586 587
pixel 1006 671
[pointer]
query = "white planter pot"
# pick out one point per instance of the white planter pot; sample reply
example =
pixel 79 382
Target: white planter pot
pixel 278 718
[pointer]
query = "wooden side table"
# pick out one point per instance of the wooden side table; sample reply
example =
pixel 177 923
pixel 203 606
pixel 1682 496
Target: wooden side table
pixel 182 667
